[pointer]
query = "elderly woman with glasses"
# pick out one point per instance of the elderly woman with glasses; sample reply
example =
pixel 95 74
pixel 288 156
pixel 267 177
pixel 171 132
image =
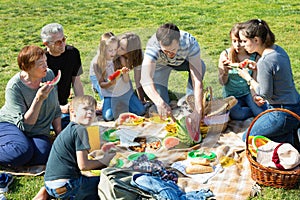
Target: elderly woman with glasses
pixel 28 111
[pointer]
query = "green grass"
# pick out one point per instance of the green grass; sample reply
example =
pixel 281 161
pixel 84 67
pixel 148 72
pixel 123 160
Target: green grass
pixel 85 20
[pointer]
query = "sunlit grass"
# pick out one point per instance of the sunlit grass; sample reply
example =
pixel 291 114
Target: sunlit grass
pixel 85 20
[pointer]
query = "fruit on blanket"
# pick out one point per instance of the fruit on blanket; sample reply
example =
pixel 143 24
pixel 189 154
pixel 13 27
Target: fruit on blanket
pixel 183 134
pixel 129 119
pixel 171 128
pixel 54 81
pixel 170 142
pixel 115 75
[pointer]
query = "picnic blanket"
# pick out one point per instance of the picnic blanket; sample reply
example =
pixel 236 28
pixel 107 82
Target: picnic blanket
pixel 232 182
pixel 36 170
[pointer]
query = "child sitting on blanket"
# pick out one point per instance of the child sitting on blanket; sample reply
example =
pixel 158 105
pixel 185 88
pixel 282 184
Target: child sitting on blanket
pixel 69 156
pixel 233 84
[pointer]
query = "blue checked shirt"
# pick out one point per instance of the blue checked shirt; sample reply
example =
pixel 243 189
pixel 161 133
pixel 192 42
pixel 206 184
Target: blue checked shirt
pixel 188 47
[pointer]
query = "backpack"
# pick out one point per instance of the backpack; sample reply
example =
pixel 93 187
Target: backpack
pixel 115 184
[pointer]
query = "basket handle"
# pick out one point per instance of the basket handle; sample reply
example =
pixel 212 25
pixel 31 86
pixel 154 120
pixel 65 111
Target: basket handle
pixel 264 112
pixel 207 91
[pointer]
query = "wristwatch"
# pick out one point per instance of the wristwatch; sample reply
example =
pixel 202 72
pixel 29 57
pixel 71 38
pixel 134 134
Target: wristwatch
pixel 249 81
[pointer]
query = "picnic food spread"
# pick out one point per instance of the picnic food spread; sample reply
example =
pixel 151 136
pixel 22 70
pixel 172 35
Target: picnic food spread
pixel 129 119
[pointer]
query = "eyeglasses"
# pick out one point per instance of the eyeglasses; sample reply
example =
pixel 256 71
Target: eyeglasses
pixel 59 42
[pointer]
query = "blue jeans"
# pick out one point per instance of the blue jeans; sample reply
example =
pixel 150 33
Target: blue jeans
pixel 65 120
pixel 161 78
pixel 246 108
pixel 80 188
pixel 167 190
pixel 277 126
pixel 114 106
pixel 96 86
pixel 17 149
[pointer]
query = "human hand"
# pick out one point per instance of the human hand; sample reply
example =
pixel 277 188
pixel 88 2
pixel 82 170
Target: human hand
pixel 259 100
pixel 64 108
pixel 112 82
pixel 44 91
pixel 226 63
pixel 165 111
pixel 107 157
pixel 244 73
pixel 195 119
pixel 252 64
pixel 125 70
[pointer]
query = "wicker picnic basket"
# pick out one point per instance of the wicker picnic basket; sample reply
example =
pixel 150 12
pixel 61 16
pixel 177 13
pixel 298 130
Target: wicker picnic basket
pixel 267 176
pixel 215 111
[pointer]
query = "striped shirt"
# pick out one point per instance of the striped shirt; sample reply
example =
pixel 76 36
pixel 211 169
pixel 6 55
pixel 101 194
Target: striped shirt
pixel 188 47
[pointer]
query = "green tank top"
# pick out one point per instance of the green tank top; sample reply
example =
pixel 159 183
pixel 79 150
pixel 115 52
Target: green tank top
pixel 236 86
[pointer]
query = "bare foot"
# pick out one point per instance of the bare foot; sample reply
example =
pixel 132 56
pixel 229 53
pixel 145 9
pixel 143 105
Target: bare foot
pixel 42 194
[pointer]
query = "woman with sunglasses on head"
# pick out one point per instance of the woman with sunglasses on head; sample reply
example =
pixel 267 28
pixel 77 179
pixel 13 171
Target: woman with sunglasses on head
pixel 274 83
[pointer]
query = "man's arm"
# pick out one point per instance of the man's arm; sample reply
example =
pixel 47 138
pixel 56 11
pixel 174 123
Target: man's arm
pixel 196 75
pixel 139 88
pixel 148 69
pixel 147 73
pixel 77 86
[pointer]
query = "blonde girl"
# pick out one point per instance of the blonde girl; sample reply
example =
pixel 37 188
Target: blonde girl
pixel 93 78
pixel 118 94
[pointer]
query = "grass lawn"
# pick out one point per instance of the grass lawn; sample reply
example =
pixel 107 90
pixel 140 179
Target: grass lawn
pixel 85 20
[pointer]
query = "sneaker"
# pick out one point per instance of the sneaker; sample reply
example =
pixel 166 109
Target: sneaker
pixel 5 181
pixel 2 197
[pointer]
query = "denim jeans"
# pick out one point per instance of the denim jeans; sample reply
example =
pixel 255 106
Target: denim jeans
pixel 166 190
pixel 161 78
pixel 65 120
pixel 96 86
pixel 17 149
pixel 246 108
pixel 277 126
pixel 80 188
pixel 114 106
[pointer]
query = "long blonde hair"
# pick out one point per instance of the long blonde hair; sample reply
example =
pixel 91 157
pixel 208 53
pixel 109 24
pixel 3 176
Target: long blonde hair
pixel 106 40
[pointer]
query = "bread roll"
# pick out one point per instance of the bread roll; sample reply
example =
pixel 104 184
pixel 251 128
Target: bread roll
pixel 198 169
pixel 200 161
